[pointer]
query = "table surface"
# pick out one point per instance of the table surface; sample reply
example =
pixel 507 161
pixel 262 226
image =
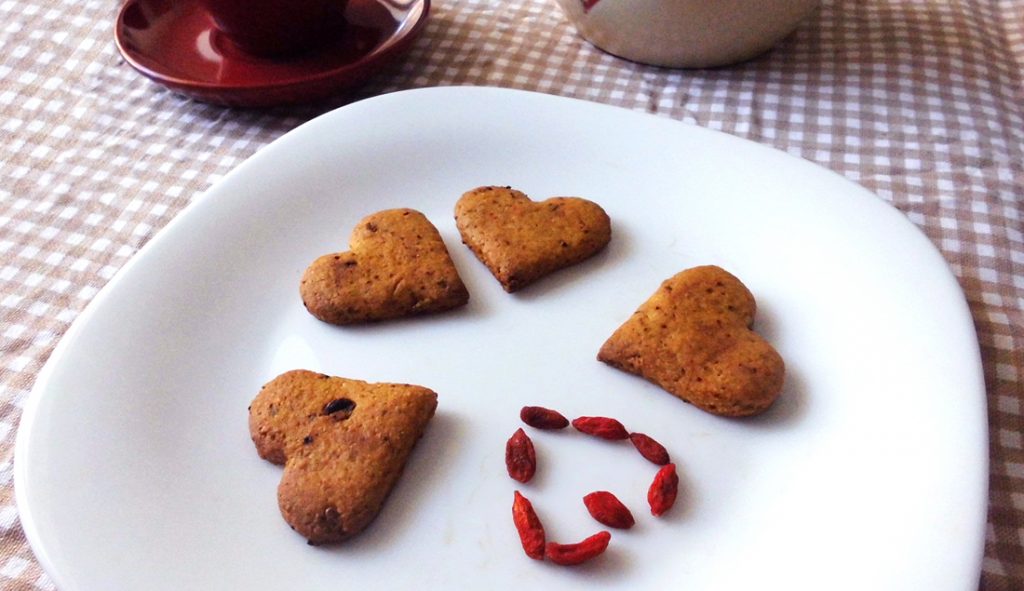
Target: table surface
pixel 922 102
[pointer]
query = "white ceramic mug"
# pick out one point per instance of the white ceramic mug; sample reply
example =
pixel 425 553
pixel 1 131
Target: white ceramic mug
pixel 686 33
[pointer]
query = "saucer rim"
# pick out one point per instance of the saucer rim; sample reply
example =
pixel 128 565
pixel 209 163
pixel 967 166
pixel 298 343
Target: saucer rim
pixel 394 44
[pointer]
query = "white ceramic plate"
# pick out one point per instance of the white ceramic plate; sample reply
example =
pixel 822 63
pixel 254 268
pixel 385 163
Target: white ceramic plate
pixel 134 467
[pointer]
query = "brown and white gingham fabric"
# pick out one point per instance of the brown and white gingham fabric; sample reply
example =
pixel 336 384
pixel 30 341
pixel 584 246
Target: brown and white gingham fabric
pixel 920 101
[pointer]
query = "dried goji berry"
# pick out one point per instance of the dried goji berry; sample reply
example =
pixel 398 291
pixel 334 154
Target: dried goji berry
pixel 602 427
pixel 531 531
pixel 608 509
pixel 649 448
pixel 571 554
pixel 543 418
pixel 662 493
pixel 520 457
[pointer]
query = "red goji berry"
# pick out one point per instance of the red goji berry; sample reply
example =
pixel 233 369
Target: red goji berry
pixel 608 509
pixel 602 427
pixel 662 493
pixel 520 457
pixel 531 531
pixel 649 448
pixel 572 554
pixel 539 417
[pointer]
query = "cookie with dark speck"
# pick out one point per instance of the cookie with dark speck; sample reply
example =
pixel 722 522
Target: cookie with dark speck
pixel 693 338
pixel 520 240
pixel 397 265
pixel 343 443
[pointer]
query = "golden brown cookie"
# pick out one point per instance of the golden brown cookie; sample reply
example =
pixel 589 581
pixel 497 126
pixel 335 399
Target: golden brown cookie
pixel 343 444
pixel 397 266
pixel 693 338
pixel 521 240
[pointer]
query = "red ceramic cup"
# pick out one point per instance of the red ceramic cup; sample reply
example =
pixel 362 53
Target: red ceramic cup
pixel 277 27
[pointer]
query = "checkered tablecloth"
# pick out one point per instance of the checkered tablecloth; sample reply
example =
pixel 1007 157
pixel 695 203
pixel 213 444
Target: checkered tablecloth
pixel 920 101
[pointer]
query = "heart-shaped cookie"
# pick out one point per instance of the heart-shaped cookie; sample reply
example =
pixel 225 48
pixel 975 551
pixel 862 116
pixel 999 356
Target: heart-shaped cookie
pixel 343 443
pixel 397 265
pixel 521 240
pixel 693 338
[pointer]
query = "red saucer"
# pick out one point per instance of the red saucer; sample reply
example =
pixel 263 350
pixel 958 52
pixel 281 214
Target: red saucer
pixel 175 43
